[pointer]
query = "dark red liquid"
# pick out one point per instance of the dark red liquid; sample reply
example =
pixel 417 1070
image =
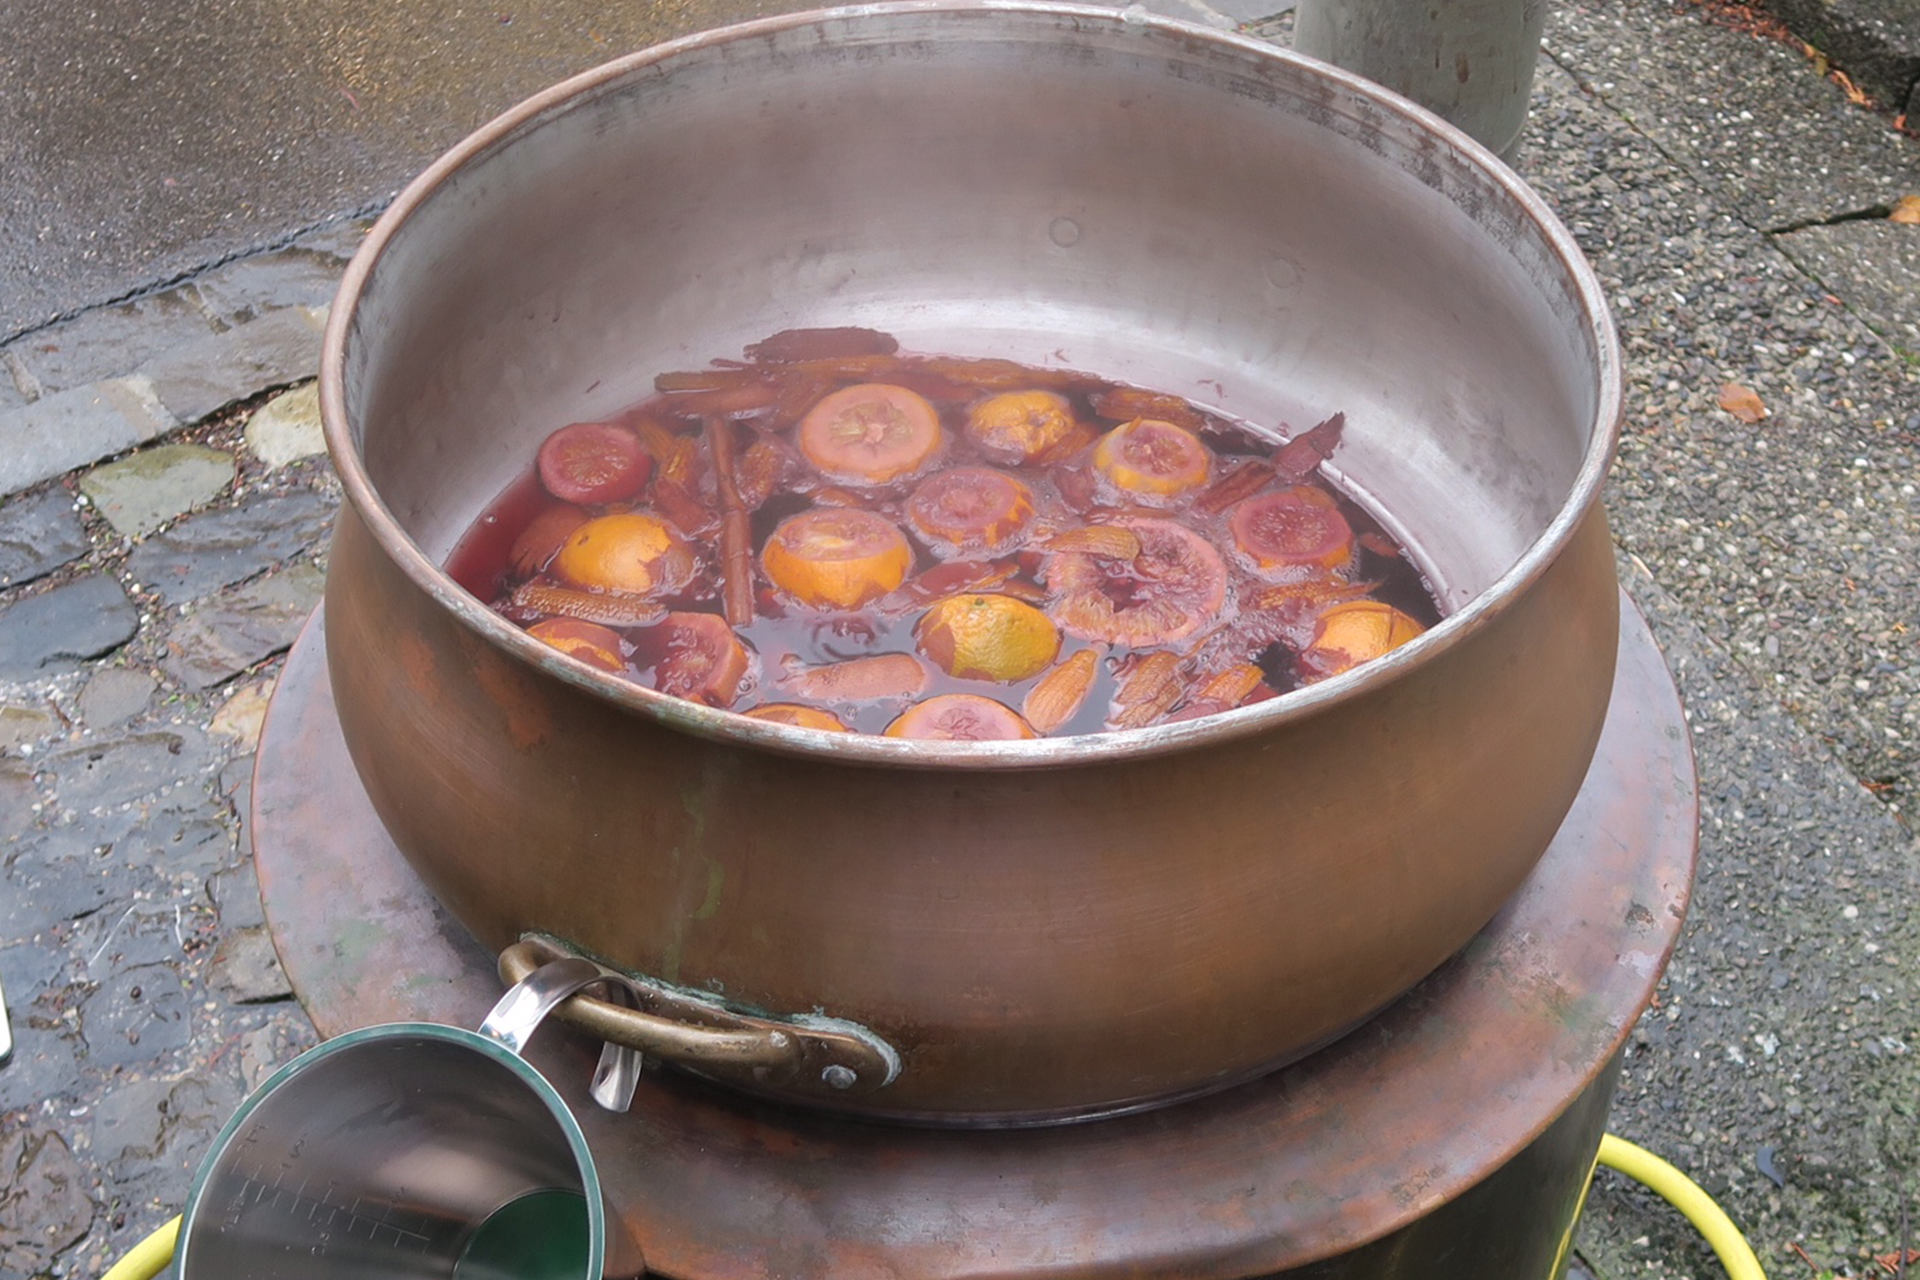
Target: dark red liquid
pixel 479 561
pixel 786 637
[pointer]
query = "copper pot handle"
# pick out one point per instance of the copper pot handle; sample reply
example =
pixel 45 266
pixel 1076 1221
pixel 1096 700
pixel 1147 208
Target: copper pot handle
pixel 809 1053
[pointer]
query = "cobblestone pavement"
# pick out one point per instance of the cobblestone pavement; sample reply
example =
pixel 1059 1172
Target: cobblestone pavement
pixel 165 537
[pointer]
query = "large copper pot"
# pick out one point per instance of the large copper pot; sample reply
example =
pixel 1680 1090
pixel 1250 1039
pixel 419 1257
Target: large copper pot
pixel 978 933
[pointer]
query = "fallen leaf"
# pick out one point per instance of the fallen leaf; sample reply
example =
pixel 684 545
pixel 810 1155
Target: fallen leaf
pixel 1742 403
pixel 1906 209
pixel 1852 90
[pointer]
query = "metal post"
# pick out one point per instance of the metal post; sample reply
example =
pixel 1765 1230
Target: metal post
pixel 1471 61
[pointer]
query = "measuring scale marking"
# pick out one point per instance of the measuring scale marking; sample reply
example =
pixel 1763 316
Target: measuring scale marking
pixel 261 1190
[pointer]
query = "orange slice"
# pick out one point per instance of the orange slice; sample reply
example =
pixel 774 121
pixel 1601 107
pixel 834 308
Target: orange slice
pixel 631 552
pixel 795 714
pixel 698 657
pixel 970 509
pixel 987 637
pixel 593 644
pixel 1020 427
pixel 1350 634
pixel 1276 534
pixel 960 717
pixel 870 433
pixel 1150 458
pixel 1175 584
pixel 836 557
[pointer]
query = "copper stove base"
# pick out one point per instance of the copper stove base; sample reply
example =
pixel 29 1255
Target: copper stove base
pixel 1496 1070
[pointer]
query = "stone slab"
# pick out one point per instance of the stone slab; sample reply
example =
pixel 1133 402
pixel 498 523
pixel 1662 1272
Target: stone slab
pixel 219 548
pixel 287 428
pixel 16 385
pixel 40 986
pixel 135 1015
pixel 278 348
pixel 17 794
pixel 105 342
pixel 236 896
pixel 128 1123
pixel 52 880
pixel 24 727
pixel 233 630
pixel 38 534
pixel 246 966
pixel 52 631
pixel 141 493
pixel 1875 265
pixel 111 772
pixel 44 1207
pixel 57 433
pixel 241 716
pixel 247 288
pixel 113 696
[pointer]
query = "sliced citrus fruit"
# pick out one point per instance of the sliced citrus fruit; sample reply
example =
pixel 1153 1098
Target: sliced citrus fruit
pixel 960 717
pixel 698 657
pixel 967 510
pixel 1175 585
pixel 592 644
pixel 1278 534
pixel 987 637
pixel 795 714
pixel 1147 458
pixel 630 551
pixel 836 557
pixel 1350 634
pixel 537 543
pixel 1018 427
pixel 593 462
pixel 870 433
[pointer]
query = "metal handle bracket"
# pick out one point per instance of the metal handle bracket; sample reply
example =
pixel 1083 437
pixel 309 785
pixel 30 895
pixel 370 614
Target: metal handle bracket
pixel 826 1057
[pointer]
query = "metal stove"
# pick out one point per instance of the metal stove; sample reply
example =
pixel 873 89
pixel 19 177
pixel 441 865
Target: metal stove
pixel 1451 1135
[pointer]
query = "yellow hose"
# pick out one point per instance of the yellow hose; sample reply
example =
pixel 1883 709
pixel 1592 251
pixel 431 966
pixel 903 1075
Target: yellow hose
pixel 148 1258
pixel 1680 1191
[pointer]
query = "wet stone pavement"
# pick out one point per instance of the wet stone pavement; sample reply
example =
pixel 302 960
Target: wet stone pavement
pixel 164 540
pixel 148 600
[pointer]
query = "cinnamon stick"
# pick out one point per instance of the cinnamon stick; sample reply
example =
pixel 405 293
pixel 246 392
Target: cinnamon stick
pixel 1301 456
pixel 736 531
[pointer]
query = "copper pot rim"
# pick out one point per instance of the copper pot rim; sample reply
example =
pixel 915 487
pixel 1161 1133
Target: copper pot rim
pixel 734 728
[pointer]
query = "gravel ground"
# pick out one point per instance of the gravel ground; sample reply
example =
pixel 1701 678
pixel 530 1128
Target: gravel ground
pixel 1778 561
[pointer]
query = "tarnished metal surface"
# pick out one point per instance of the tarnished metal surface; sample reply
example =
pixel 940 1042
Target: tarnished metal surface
pixel 1175 207
pixel 814 1057
pixel 1362 1139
